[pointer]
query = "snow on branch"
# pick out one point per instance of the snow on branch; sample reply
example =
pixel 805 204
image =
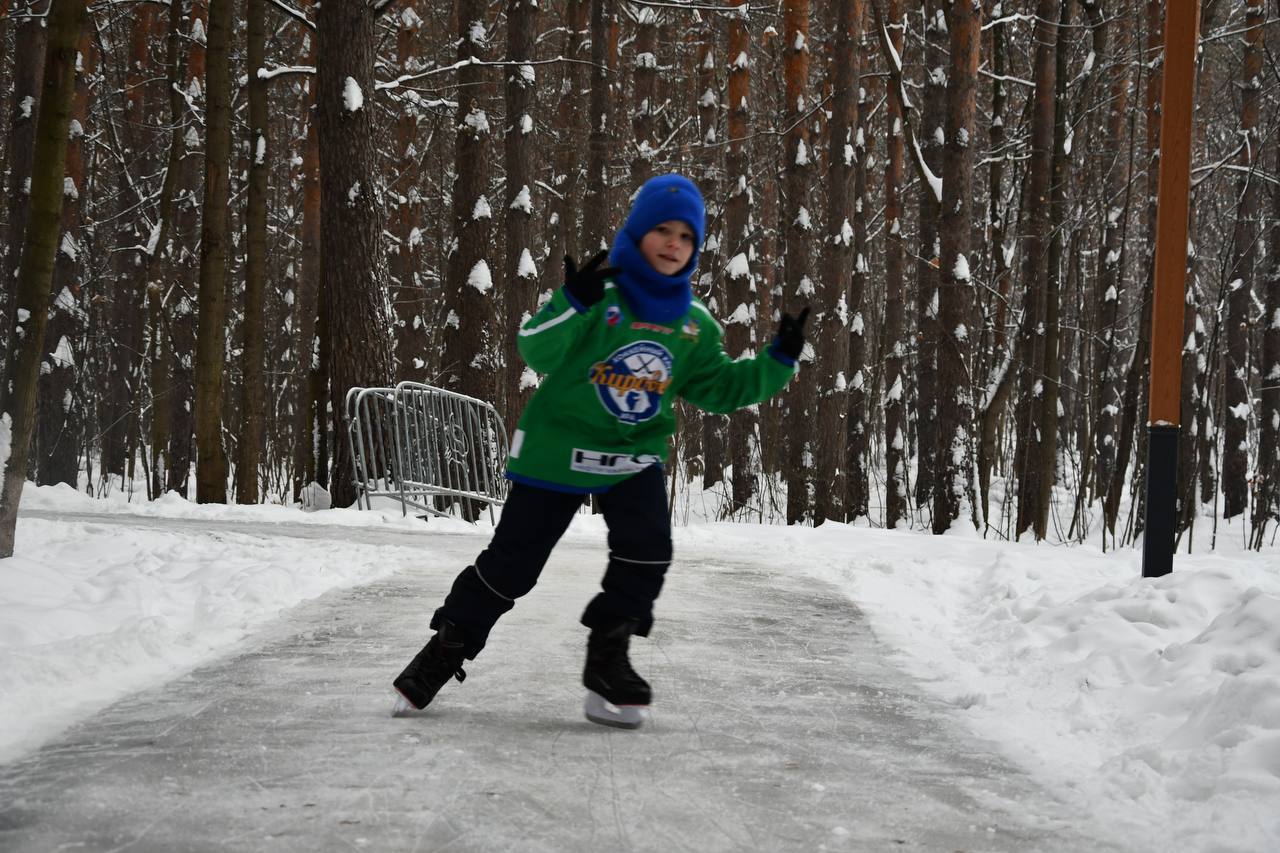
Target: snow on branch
pixel 293 13
pixel 282 70
pixel 463 63
pixel 900 89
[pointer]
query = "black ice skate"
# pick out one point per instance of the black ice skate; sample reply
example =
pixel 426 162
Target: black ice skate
pixel 616 695
pixel 440 660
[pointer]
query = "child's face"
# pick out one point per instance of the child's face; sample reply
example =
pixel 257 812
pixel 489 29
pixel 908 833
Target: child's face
pixel 668 246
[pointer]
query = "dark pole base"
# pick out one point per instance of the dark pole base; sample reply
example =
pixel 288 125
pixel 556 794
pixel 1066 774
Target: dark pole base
pixel 1162 500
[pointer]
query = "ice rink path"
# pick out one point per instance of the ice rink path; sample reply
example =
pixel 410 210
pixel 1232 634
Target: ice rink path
pixel 780 723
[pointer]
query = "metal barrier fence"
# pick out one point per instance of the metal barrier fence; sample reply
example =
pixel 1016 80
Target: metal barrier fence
pixel 425 447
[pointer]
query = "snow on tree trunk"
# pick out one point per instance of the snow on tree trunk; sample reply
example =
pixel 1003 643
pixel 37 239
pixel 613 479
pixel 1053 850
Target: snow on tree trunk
pixel 1268 506
pixel 184 267
pixel 409 306
pixel 1030 405
pixel 35 269
pixel 358 326
pixel 798 288
pixel 249 446
pixel 953 495
pixel 596 220
pixel 896 345
pixel 1110 281
pixel 520 140
pixel 928 262
pixel 738 245
pixel 29 46
pixel 1236 362
pixel 60 419
pixel 838 416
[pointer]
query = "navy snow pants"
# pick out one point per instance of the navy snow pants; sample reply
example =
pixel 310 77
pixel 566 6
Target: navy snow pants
pixel 533 520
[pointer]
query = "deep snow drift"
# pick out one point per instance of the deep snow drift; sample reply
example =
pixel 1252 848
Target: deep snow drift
pixel 1153 703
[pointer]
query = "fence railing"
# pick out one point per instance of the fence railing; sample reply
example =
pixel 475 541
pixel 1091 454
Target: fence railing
pixel 426 447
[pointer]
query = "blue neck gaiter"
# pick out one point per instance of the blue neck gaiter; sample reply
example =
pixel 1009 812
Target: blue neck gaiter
pixel 652 296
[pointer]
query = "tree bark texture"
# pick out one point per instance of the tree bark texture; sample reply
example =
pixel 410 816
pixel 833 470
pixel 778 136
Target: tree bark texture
pixel 211 460
pixel 928 262
pixel 596 217
pixel 1030 414
pixel 520 277
pixel 896 426
pixel 832 322
pixel 357 328
pixel 953 495
pixel 59 415
pixel 740 284
pixel 29 41
pixel 408 301
pixel 798 288
pixel 1236 362
pixel 35 269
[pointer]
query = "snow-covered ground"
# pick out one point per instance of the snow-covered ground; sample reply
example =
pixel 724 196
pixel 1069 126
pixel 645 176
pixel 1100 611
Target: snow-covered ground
pixel 1154 703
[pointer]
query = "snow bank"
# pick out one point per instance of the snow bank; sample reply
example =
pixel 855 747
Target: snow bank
pixel 1155 701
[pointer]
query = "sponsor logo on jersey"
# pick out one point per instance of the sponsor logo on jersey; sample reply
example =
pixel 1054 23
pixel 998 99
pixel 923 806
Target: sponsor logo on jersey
pixel 690 329
pixel 651 327
pixel 612 315
pixel 630 382
pixel 603 462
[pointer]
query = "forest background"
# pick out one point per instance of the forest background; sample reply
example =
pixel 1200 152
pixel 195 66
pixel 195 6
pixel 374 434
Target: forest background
pixel 268 202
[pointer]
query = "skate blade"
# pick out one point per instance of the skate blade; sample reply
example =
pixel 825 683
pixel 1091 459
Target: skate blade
pixel 602 711
pixel 403 707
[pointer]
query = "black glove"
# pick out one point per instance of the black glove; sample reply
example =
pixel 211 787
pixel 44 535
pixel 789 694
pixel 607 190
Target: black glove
pixel 790 338
pixel 587 284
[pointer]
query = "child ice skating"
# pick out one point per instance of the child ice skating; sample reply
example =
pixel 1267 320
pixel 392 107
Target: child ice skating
pixel 616 345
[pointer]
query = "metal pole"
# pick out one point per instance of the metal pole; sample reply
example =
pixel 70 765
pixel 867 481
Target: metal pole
pixel 1177 101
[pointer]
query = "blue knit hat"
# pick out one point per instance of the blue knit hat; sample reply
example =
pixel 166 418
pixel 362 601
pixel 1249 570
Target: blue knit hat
pixel 655 297
pixel 664 198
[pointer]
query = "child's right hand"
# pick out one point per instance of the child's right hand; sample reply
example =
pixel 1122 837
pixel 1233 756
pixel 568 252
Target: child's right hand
pixel 587 284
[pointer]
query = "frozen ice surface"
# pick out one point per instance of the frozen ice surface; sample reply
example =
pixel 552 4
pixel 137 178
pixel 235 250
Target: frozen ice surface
pixel 779 723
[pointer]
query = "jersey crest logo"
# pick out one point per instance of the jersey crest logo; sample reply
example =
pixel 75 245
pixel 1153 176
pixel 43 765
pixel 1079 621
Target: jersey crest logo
pixel 612 316
pixel 630 382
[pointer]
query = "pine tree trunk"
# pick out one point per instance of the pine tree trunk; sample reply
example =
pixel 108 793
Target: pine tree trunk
pixel 1235 376
pixel 35 269
pixel 645 74
pixel 953 495
pixel 860 364
pixel 357 328
pixel 1048 414
pixel 1110 279
pixel 309 396
pixel 596 217
pixel 1030 406
pixel 519 140
pixel 992 405
pixel 1268 502
pixel 740 281
pixel 249 447
pixel 710 284
pixel 60 420
pixel 798 288
pixel 183 319
pixel 832 320
pixel 928 261
pixel 211 460
pixel 562 230
pixel 29 41
pixel 896 345
pixel 408 304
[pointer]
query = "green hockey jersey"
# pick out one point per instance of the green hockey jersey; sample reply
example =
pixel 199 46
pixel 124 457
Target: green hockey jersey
pixel 603 411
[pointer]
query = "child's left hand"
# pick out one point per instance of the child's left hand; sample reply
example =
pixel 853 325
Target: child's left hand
pixel 791 334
